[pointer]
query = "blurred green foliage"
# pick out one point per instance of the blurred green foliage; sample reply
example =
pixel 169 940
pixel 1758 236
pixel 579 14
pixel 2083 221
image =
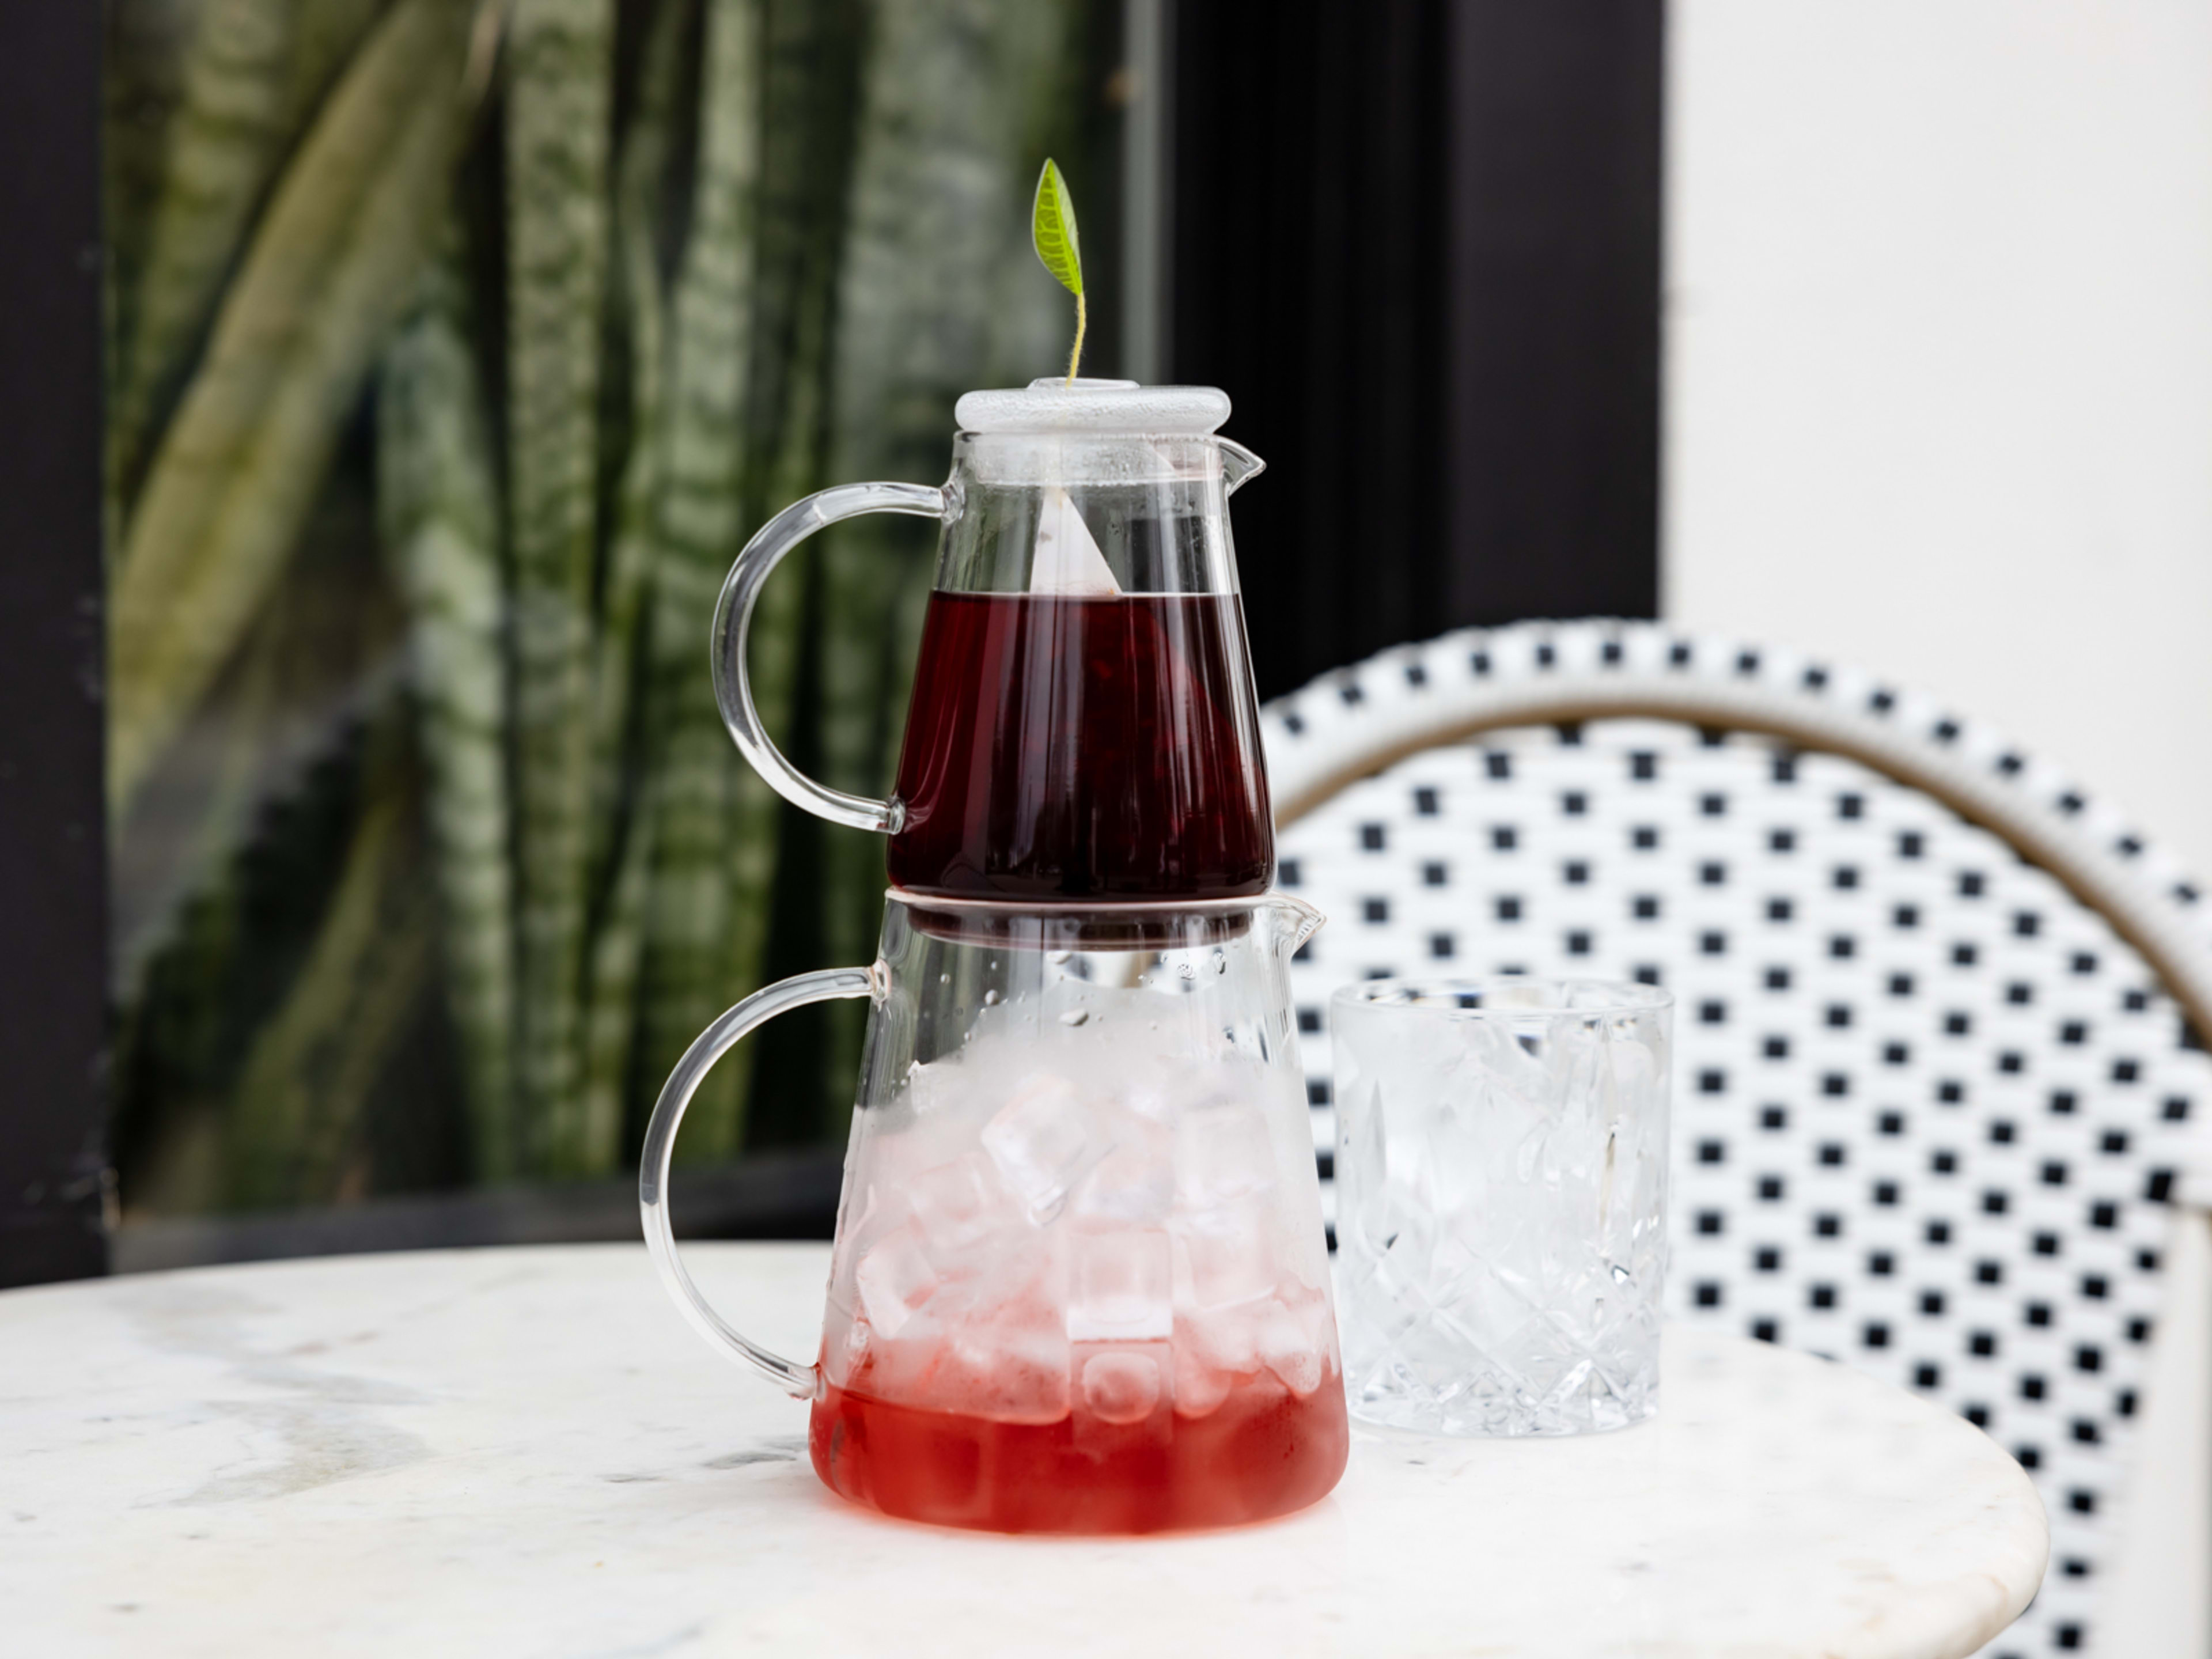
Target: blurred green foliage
pixel 456 346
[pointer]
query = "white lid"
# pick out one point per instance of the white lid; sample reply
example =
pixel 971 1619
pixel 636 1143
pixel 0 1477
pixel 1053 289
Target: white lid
pixel 1100 406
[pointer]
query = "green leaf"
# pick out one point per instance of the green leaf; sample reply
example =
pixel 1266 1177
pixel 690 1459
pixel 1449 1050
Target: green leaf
pixel 332 262
pixel 1052 230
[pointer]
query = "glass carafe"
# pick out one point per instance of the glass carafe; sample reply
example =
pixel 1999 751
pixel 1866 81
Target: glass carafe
pixel 1080 1282
pixel 1083 724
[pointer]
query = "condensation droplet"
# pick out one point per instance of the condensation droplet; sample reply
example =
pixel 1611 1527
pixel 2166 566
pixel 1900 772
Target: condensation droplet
pixel 1075 1016
pixel 990 999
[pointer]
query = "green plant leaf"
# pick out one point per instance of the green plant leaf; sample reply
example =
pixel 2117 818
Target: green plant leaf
pixel 332 264
pixel 1052 230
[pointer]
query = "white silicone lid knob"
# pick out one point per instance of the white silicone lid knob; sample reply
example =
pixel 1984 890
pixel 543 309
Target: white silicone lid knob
pixel 1096 406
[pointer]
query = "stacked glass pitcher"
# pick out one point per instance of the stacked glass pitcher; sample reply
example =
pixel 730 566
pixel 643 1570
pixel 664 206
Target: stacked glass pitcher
pixel 1079 1281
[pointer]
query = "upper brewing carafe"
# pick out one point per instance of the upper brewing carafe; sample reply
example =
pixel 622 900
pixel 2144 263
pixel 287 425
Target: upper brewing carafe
pixel 1082 724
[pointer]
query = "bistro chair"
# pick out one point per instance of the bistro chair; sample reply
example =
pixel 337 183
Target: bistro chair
pixel 1939 1082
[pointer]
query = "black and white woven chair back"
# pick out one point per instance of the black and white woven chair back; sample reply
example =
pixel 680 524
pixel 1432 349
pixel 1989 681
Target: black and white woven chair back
pixel 1938 1081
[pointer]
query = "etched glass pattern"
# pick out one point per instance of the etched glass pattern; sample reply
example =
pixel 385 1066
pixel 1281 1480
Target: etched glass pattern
pixel 1501 1174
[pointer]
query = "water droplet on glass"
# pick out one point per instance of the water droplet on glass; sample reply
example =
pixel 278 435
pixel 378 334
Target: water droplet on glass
pixel 1058 957
pixel 990 999
pixel 1075 1016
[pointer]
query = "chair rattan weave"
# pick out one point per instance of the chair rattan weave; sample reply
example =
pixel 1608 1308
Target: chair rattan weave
pixel 1938 1081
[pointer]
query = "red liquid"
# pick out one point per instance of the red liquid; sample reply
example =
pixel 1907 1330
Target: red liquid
pixel 1262 1452
pixel 1073 747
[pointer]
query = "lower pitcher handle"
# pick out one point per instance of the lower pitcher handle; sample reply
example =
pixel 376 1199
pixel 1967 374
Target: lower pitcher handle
pixel 733 616
pixel 711 1045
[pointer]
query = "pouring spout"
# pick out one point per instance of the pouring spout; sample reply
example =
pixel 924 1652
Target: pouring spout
pixel 1239 465
pixel 1296 921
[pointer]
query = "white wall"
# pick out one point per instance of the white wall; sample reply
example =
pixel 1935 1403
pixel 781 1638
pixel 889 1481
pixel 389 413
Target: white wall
pixel 1939 379
pixel 1939 402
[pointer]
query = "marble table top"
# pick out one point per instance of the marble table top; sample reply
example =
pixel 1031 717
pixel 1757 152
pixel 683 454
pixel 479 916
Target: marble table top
pixel 526 1452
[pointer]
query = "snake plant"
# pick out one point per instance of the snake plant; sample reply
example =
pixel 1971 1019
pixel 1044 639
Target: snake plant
pixel 457 347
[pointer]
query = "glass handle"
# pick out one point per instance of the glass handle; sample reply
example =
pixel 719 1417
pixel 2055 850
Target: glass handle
pixel 717 1040
pixel 733 617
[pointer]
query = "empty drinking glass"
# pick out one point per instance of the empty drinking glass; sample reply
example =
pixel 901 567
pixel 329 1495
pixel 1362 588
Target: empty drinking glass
pixel 1501 1178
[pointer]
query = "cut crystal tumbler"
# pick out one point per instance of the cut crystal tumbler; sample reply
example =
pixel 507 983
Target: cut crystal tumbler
pixel 1501 1176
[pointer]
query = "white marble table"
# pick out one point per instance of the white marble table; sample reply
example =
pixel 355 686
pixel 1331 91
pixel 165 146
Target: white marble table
pixel 525 1453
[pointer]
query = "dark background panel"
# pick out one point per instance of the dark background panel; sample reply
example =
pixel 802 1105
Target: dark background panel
pixel 1417 242
pixel 1417 239
pixel 1551 502
pixel 53 889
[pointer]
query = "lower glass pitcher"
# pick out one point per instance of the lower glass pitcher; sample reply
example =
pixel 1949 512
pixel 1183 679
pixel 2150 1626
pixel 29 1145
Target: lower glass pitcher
pixel 1080 1282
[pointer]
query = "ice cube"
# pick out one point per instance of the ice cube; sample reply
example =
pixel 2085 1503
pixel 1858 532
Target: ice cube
pixel 1120 1287
pixel 1121 1386
pixel 929 1087
pixel 1043 1140
pixel 1511 1056
pixel 1010 1362
pixel 890 1152
pixel 1301 1370
pixel 1229 1252
pixel 894 1278
pixel 1133 1185
pixel 1148 1100
pixel 958 1207
pixel 1633 1062
pixel 844 1342
pixel 1201 1383
pixel 1260 1343
pixel 867 1211
pixel 994 1347
pixel 1222 1151
pixel 1293 1342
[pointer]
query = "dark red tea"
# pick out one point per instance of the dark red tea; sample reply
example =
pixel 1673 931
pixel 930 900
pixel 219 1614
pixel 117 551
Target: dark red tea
pixel 1262 1452
pixel 1081 747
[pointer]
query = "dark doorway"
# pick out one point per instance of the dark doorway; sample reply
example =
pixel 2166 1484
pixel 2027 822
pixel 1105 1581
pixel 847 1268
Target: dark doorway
pixel 53 869
pixel 1418 243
